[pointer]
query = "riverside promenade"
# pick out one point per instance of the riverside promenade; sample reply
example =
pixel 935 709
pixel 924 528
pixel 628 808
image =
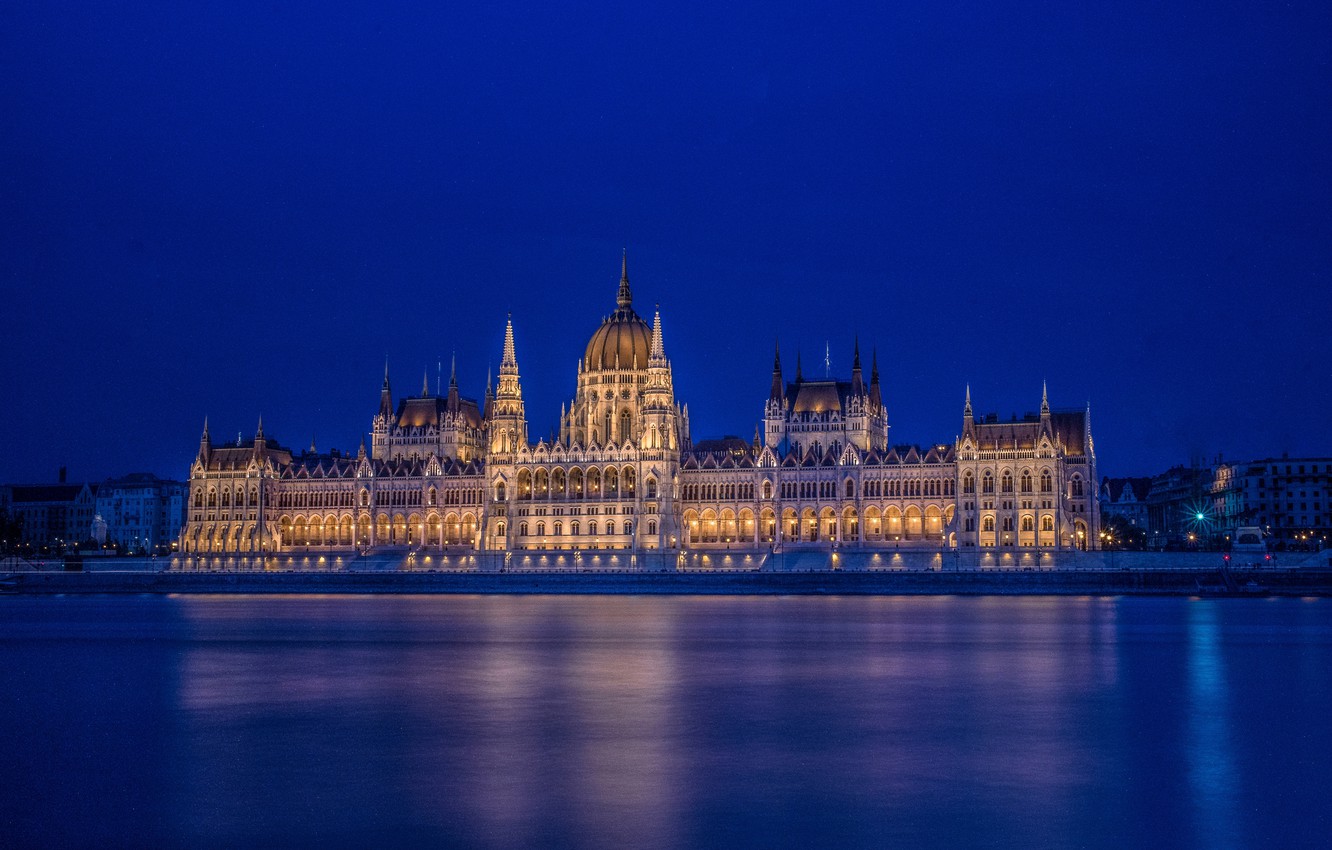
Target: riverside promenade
pixel 739 573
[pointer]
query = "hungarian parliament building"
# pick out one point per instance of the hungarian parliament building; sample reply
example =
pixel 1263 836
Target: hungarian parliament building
pixel 447 474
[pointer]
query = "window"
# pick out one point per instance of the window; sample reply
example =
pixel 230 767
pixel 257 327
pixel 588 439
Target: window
pixel 987 524
pixel 1028 524
pixel 968 483
pixel 1007 482
pixel 522 529
pixel 987 483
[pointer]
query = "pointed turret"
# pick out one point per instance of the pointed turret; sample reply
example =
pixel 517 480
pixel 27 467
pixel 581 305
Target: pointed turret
pixel 205 441
pixel 508 422
pixel 876 394
pixel 425 382
pixel 259 442
pixel 455 401
pixel 968 420
pixel 624 298
pixel 386 395
pixel 857 380
pixel 509 360
pixel 777 388
pixel 799 374
pixel 1045 400
pixel 658 348
pixel 360 455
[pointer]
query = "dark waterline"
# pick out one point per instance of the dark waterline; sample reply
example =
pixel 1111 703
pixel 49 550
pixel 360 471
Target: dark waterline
pixel 665 722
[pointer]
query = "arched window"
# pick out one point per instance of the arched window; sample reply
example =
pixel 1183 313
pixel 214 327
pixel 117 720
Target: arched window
pixel 499 529
pixel 767 489
pixel 499 491
pixel 1077 486
pixel 987 483
pixel 628 527
pixel 850 489
pixel 1047 523
pixel 430 497
pixel 198 498
pixel 1047 485
pixel 559 529
pixel 1006 484
pixel 987 524
pixel 652 488
pixel 652 526
pixel 592 527
pixel 610 527
pixel 212 498
pixel 541 529
pixel 522 529
pixel 968 483
pixel 573 527
pixel 1026 481
pixel 1028 524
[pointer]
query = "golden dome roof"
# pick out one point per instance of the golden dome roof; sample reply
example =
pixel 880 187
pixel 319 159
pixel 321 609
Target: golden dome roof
pixel 623 338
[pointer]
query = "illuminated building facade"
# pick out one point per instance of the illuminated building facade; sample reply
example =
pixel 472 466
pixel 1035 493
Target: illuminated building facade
pixel 444 473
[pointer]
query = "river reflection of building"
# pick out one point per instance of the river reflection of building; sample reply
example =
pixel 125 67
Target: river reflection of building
pixel 445 473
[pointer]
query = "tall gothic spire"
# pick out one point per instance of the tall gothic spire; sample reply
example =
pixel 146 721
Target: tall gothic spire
pixel 857 382
pixel 777 388
pixel 966 409
pixel 658 346
pixel 259 434
pixel 425 382
pixel 386 395
pixel 1045 400
pixel 876 395
pixel 625 298
pixel 799 376
pixel 509 362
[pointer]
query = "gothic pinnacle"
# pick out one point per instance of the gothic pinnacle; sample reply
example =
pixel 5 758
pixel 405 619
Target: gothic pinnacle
pixel 625 298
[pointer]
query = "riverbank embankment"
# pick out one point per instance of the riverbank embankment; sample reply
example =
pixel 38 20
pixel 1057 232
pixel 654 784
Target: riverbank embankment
pixel 1185 582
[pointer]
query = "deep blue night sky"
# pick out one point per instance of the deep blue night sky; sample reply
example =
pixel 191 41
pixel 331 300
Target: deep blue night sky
pixel 243 209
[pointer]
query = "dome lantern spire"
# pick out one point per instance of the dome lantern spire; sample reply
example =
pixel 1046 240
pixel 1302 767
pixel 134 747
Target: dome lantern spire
pixel 625 298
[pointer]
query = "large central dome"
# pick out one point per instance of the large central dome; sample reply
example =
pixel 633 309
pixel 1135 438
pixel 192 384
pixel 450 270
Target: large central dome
pixel 624 338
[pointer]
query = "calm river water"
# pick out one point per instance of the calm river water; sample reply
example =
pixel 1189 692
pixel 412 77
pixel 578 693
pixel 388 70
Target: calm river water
pixel 665 722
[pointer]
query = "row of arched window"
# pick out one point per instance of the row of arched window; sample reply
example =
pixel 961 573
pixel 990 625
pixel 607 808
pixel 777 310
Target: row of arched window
pixel 1028 523
pixel 594 483
pixel 225 497
pixel 722 490
pixel 1025 482
pixel 576 528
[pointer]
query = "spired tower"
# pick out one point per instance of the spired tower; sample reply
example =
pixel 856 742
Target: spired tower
pixel 506 419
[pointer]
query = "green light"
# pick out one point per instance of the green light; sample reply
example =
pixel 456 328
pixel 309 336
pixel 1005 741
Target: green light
pixel 1198 516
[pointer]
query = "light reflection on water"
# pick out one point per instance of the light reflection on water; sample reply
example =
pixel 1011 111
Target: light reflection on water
pixel 666 721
